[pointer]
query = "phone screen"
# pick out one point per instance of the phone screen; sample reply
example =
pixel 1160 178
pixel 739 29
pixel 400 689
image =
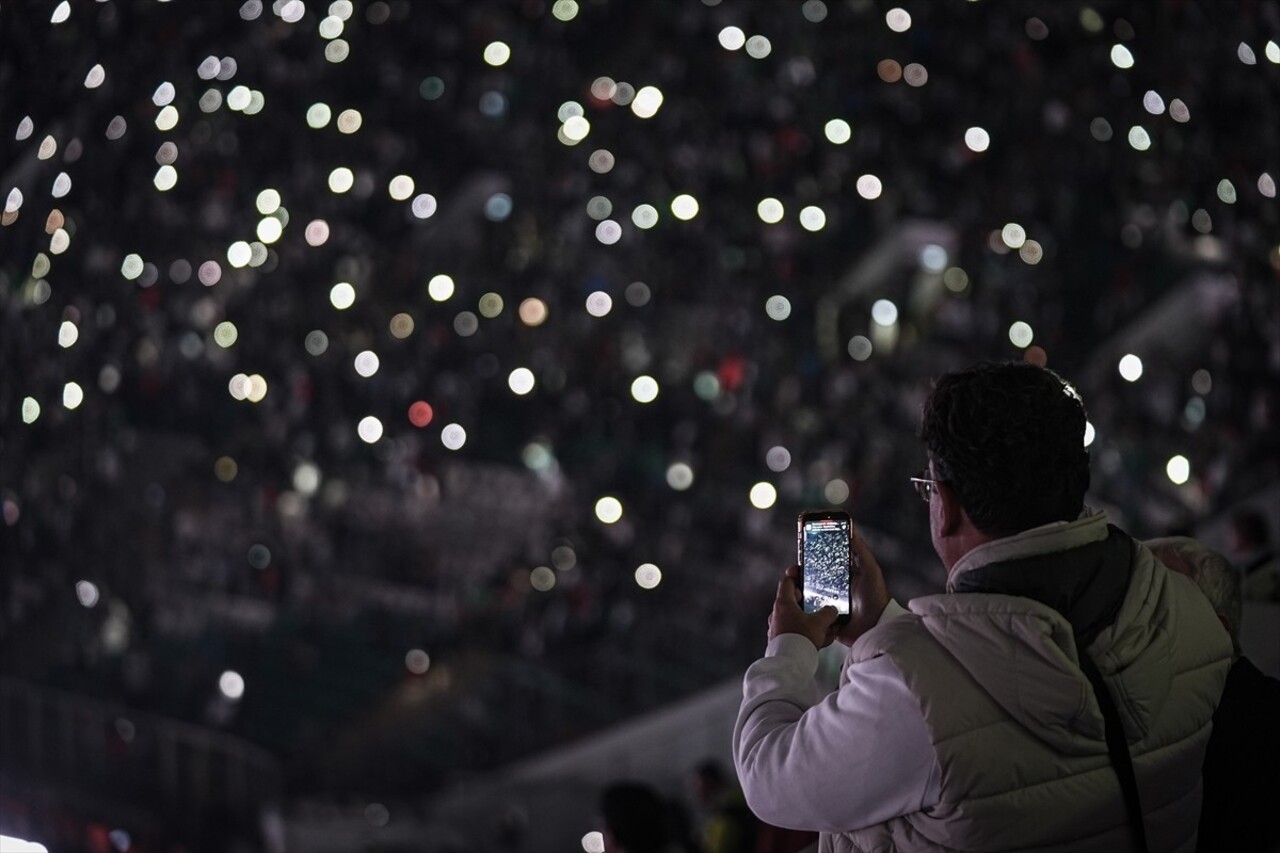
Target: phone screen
pixel 825 561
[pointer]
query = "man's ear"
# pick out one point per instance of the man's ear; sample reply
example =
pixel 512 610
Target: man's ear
pixel 953 515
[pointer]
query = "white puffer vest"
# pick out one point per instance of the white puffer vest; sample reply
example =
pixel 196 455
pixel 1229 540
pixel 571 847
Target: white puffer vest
pixel 1016 729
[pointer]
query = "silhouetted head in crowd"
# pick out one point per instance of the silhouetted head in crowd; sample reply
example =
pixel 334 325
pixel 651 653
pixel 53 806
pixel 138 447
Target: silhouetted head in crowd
pixel 637 819
pixel 1212 572
pixel 709 780
pixel 1248 533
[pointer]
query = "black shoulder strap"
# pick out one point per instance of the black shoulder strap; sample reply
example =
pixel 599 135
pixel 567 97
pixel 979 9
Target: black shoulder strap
pixel 1121 760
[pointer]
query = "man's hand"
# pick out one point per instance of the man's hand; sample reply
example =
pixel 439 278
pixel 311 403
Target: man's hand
pixel 788 617
pixel 870 595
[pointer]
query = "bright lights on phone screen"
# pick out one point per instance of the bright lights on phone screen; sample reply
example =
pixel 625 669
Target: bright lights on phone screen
pixel 826 564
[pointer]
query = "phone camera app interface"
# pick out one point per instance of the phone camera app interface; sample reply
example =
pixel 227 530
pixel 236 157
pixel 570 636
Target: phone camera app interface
pixel 826 564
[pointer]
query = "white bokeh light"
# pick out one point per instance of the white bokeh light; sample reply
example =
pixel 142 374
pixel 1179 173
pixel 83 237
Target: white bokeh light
pixel 269 229
pixel 770 211
pixel 342 296
pixel 166 178
pixel 644 389
pixel 341 179
pixel 72 395
pixel 609 509
pixel 68 334
pixel 1013 235
pixel 647 102
pixel 899 20
pixel 497 53
pixel 239 254
pixel 684 206
pixel 763 495
pixel 977 139
pixel 679 476
pixel 1178 469
pixel 87 593
pixel 869 187
pixel 732 38
pixel 400 187
pixel 838 131
pixel 1021 334
pixel 369 429
pixel 648 576
pixel 306 478
pixel 813 218
pixel 884 312
pixel 440 287
pixel 576 128
pixel 417 661
pixel 231 684
pixel 758 47
pixel 367 363
pixel 1131 367
pixel 778 307
pixel 645 216
pixel 599 303
pixel 521 381
pixel 453 436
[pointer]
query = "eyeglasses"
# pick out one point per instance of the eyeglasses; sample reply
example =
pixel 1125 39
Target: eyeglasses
pixel 924 486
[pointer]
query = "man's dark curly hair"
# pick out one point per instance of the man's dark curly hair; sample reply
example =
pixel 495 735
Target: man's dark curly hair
pixel 1009 439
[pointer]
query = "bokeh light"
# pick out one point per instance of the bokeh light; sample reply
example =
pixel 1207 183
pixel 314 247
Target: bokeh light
pixel 453 436
pixel 520 381
pixel 977 139
pixel 609 509
pixel 838 131
pixel 420 413
pixel 679 476
pixel 770 211
pixel 763 495
pixel 884 312
pixel 1020 334
pixel 342 295
pixel 644 389
pixel 441 287
pixel 231 685
pixel 684 207
pixel 1131 367
pixel 369 429
pixel 648 576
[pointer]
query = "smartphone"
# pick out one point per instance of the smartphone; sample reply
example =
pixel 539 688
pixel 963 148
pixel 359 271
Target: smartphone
pixel 824 545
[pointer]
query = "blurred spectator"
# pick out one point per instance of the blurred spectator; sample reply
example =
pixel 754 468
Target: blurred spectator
pixel 638 819
pixel 1244 750
pixel 729 826
pixel 1252 547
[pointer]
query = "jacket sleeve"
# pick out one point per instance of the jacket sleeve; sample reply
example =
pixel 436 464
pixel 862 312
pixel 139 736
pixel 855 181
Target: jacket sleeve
pixel 857 757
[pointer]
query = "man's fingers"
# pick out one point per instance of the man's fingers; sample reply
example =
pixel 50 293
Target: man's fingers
pixel 787 589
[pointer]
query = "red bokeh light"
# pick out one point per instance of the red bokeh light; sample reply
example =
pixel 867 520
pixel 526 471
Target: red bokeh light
pixel 420 414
